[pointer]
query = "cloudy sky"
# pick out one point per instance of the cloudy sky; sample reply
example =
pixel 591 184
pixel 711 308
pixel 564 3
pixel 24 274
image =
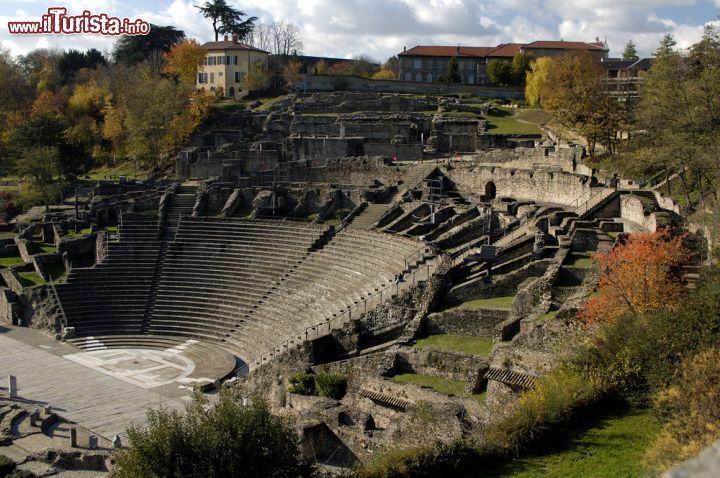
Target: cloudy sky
pixel 381 28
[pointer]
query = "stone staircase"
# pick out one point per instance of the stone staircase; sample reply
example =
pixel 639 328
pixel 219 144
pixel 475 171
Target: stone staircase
pixel 181 204
pixel 370 216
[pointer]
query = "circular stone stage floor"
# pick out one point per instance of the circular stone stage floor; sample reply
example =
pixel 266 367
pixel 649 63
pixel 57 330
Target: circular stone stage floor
pixel 153 361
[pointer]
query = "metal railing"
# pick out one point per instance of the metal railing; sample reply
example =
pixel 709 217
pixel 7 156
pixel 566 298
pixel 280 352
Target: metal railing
pixel 343 314
pixel 587 199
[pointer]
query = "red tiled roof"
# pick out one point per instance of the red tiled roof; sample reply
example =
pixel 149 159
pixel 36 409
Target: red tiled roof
pixel 565 45
pixel 506 50
pixel 467 51
pixel 228 45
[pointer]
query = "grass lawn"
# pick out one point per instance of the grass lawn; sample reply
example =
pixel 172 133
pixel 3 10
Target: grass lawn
pixel 457 343
pixel 503 302
pixel 10 261
pixel 268 102
pixel 227 105
pixel 125 168
pixel 611 447
pixel 580 261
pixel 440 385
pixel 30 279
pixel 504 121
pixel 48 248
pixel 56 271
pixel 547 316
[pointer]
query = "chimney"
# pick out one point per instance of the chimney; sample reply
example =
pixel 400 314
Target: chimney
pixel 404 49
pixel 235 38
pixel 458 48
pixel 226 38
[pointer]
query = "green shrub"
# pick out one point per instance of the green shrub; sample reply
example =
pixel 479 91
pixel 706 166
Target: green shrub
pixel 330 385
pixel 6 466
pixel 322 385
pixel 690 411
pixel 18 473
pixel 303 384
pixel 222 439
pixel 458 459
pixel 638 356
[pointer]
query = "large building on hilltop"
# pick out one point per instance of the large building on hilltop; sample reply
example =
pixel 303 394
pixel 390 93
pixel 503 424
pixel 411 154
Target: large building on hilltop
pixel 225 65
pixel 429 63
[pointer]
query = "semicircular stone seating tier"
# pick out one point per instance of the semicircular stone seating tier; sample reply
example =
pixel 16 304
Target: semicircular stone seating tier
pixel 241 283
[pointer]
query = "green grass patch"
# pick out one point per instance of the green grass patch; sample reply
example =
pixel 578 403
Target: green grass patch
pixel 56 271
pixel 614 234
pixel 533 115
pixel 440 385
pixel 80 232
pixel 503 121
pixel 10 261
pixel 228 105
pixel 268 102
pixel 547 316
pixel 583 262
pixel 47 248
pixel 457 343
pixel 125 168
pixel 30 279
pixel 612 447
pixel 503 302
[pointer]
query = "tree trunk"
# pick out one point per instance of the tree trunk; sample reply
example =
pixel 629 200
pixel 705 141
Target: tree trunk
pixel 685 188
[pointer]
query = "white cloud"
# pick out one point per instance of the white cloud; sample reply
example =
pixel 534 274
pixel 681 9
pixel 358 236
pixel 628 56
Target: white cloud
pixel 381 28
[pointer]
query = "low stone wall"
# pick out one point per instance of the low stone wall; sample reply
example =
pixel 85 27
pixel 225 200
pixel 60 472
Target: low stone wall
pixel 401 152
pixel 556 187
pixel 633 209
pixel 477 322
pixel 477 289
pixel 11 279
pixel 9 306
pixel 534 296
pixel 355 83
pixel 440 363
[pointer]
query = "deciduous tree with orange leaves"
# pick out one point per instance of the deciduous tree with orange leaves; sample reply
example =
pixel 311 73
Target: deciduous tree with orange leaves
pixel 638 276
pixel 184 60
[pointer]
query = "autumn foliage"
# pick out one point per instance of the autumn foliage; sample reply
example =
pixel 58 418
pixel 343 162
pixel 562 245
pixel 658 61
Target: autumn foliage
pixel 637 277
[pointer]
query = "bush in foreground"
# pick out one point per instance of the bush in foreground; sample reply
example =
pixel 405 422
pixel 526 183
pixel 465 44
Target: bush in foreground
pixel 212 440
pixel 321 385
pixel 691 411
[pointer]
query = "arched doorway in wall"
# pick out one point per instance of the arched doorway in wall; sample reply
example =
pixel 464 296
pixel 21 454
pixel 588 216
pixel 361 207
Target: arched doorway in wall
pixel 231 92
pixel 490 191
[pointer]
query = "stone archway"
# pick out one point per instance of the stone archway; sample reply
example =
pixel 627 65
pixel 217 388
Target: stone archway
pixel 490 191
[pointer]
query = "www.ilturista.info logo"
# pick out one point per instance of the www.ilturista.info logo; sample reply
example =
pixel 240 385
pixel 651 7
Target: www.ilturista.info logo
pixel 57 21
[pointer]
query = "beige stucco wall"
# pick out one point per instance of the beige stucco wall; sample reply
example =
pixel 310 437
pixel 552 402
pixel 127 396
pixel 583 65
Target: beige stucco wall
pixel 223 76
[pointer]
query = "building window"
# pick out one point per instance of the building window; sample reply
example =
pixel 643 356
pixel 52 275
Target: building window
pixel 221 60
pixel 417 64
pixel 220 73
pixel 429 77
pixel 211 60
pixel 471 79
pixel 239 75
pixel 228 60
pixel 202 78
pixel 235 60
pixel 418 77
pixel 408 76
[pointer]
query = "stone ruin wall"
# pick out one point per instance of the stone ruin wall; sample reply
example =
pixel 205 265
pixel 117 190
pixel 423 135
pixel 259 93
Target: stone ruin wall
pixel 556 187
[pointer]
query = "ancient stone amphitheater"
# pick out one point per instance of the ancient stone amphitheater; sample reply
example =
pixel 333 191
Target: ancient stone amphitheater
pixel 255 287
pixel 328 232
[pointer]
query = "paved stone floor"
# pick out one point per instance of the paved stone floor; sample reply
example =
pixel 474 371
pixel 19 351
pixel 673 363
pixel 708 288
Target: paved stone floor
pixel 99 401
pixel 143 368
